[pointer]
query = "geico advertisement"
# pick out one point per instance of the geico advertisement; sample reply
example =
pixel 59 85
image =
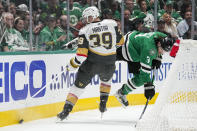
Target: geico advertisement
pixel 29 80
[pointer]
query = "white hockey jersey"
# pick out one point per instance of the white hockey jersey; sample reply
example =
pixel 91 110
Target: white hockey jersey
pixel 97 41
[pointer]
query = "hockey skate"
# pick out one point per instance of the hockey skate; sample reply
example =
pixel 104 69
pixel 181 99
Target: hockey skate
pixel 121 98
pixel 102 105
pixel 64 114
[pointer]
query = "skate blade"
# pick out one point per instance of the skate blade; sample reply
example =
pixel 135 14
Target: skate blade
pixel 58 120
pixel 102 116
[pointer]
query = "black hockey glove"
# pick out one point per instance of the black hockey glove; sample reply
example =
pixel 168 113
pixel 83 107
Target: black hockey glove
pixel 134 67
pixel 149 90
pixel 156 63
pixel 119 56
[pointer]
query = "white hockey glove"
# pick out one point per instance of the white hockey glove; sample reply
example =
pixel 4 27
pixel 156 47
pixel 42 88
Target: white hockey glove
pixel 72 65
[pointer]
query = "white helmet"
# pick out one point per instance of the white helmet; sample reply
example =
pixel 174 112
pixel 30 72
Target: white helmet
pixel 90 11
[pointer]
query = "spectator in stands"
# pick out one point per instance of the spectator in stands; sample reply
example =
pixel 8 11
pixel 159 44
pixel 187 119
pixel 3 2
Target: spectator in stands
pixel 131 24
pixel 170 25
pixel 138 23
pixel 52 8
pixel 127 22
pixel 187 6
pixel 13 38
pixel 115 8
pixel 19 24
pixel 150 5
pixel 181 4
pixel 47 39
pixel 106 14
pixel 19 27
pixel 36 32
pixel 38 28
pixel 129 4
pixel 161 25
pixel 21 11
pixel 75 13
pixel 26 31
pixel 148 20
pixel 168 8
pixel 41 5
pixel 27 22
pixel 12 8
pixel 184 27
pixel 61 32
pixel 58 22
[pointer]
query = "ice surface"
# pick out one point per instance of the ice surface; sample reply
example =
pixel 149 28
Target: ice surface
pixel 115 119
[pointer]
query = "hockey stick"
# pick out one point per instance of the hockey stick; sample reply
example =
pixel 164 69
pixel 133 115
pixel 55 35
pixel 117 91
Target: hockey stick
pixel 71 44
pixel 153 77
pixel 74 28
pixel 144 109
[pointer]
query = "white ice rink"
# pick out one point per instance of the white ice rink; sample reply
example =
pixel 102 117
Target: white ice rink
pixel 115 119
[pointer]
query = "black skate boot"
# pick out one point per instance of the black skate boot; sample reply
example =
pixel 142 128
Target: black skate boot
pixel 121 98
pixel 102 105
pixel 64 114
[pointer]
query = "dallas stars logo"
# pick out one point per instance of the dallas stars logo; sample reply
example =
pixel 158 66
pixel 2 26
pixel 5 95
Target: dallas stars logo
pixel 152 52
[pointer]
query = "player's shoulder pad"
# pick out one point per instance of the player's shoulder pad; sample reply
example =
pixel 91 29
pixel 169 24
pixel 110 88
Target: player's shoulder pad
pixel 84 29
pixel 110 21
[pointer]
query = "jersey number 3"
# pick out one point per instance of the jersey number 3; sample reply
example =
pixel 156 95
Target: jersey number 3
pixel 104 39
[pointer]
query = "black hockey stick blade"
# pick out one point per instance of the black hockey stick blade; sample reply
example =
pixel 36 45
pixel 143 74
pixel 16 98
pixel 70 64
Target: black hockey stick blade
pixel 143 111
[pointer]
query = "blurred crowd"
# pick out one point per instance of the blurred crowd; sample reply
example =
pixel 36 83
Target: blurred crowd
pixel 50 24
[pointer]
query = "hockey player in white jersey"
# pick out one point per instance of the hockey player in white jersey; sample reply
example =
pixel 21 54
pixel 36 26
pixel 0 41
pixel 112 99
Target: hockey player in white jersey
pixel 96 54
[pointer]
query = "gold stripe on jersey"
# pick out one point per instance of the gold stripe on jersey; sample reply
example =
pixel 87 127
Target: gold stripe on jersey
pixel 102 54
pixel 121 41
pixel 82 51
pixel 73 63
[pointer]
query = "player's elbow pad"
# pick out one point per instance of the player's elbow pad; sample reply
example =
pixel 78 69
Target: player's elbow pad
pixel 74 63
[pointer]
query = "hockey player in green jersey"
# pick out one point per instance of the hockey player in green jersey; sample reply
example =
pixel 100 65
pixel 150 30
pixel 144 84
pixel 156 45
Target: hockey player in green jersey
pixel 141 51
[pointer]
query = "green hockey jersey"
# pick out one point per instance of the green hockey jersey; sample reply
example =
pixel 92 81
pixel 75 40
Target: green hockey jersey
pixel 141 47
pixel 75 15
pixel 58 32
